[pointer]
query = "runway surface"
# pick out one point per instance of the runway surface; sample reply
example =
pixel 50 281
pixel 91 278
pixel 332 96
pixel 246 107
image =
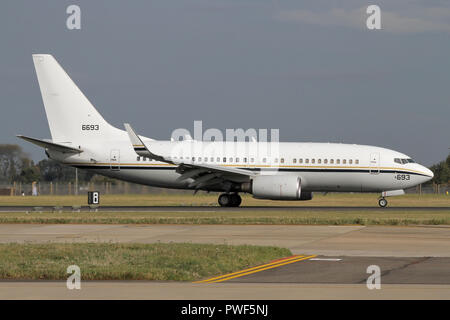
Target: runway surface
pixel 378 241
pixel 414 262
pixel 224 291
pixel 353 270
pixel 213 208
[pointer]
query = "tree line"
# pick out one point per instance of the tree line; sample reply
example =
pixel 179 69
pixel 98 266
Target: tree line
pixel 16 166
pixel 441 171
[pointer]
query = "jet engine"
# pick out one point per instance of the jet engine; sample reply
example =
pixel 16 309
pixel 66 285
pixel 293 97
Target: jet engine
pixel 276 188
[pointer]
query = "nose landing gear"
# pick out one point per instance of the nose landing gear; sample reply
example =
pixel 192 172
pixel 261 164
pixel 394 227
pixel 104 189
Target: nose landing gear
pixel 229 200
pixel 382 202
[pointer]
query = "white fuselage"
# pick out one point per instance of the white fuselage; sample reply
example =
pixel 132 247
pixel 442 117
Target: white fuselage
pixel 321 166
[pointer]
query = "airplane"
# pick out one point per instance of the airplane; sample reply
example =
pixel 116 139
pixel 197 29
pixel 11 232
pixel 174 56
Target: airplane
pixel 81 138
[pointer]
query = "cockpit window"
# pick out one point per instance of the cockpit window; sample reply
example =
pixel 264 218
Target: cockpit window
pixel 404 161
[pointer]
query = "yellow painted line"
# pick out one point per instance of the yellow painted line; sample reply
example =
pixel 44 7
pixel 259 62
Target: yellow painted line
pixel 253 268
pixel 262 268
pixel 266 268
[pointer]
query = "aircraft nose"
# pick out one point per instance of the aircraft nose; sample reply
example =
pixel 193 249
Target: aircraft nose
pixel 428 172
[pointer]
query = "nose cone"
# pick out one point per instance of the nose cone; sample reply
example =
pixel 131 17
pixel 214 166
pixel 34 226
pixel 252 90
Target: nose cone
pixel 429 174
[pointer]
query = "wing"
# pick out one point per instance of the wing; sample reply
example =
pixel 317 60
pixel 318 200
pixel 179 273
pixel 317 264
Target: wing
pixel 200 176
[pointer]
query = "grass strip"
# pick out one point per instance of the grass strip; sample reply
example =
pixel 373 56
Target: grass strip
pixel 283 217
pixel 117 261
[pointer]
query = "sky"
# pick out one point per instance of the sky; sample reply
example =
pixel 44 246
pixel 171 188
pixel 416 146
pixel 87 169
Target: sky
pixel 311 69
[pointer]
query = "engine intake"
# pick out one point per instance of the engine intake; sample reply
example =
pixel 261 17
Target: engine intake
pixel 276 188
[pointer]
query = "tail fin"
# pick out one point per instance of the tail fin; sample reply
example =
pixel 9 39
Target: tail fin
pixel 71 117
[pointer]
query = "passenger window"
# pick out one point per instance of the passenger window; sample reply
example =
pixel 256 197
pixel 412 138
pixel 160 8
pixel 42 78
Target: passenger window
pixel 282 160
pixel 313 160
pixel 224 159
pixel 212 159
pixel 231 159
pixel 356 161
pixel 325 161
pixel 218 159
pixel 344 161
pixel 319 160
pixel 294 160
pixel 138 158
pixel 275 160
pixel 350 161
pixel 331 161
pixel 193 159
pixel 237 159
pixel 306 160
pixel 300 160
pixel 245 160
pixel 199 159
pixel 252 160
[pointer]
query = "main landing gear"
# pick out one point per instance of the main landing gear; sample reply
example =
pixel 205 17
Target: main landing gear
pixel 382 202
pixel 229 200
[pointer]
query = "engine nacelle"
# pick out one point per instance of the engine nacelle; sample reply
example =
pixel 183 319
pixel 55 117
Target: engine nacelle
pixel 276 188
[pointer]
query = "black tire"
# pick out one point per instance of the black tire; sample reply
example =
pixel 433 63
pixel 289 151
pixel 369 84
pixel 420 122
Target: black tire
pixel 225 200
pixel 382 202
pixel 238 200
pixel 235 200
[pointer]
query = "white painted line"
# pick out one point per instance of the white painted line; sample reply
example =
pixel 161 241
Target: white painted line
pixel 324 259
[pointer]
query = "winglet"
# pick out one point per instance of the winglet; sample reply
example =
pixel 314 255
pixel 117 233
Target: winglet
pixel 137 143
pixel 139 146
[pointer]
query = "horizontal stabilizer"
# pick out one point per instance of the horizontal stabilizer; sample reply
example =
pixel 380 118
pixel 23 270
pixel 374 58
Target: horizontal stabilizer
pixel 50 145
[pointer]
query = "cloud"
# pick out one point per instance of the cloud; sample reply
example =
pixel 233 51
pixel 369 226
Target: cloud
pixel 413 20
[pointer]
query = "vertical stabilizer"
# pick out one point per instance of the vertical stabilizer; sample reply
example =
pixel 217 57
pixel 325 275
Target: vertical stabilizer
pixel 71 117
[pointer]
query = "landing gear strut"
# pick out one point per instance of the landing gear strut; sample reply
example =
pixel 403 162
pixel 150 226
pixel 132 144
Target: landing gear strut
pixel 382 202
pixel 229 200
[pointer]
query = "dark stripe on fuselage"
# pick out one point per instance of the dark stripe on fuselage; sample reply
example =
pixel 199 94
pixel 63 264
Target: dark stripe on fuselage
pixel 255 169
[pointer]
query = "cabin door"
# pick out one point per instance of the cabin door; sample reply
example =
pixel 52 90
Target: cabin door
pixel 374 163
pixel 114 160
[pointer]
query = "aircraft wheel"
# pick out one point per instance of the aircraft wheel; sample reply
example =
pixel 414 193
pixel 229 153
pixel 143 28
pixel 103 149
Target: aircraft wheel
pixel 235 200
pixel 225 200
pixel 382 202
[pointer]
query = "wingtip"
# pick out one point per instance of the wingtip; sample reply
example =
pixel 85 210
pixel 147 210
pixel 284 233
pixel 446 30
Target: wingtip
pixel 128 127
